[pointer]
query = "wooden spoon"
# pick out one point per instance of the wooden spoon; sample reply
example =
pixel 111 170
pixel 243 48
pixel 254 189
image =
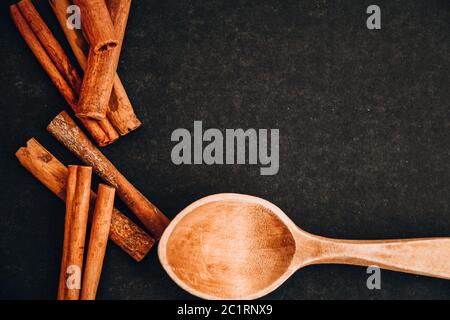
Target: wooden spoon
pixel 232 246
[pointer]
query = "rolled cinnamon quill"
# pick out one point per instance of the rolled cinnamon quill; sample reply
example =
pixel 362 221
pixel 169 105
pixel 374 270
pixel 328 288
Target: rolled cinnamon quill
pixel 98 240
pixel 65 130
pixel 120 110
pixel 53 174
pixel 49 42
pixel 42 56
pixel 75 37
pixel 119 11
pixel 97 24
pixel 65 256
pixel 102 59
pixel 77 212
pixel 51 45
pixel 102 131
pixel 97 85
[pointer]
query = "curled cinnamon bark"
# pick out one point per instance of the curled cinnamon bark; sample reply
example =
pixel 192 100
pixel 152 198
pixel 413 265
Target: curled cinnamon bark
pixel 97 85
pixel 120 111
pixel 102 59
pixel 97 24
pixel 51 45
pixel 65 256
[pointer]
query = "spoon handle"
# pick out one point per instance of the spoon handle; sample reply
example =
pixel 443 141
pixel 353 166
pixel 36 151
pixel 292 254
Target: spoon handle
pixel 429 257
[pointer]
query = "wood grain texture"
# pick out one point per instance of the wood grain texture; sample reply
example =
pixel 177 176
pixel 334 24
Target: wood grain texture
pixel 424 256
pixel 232 246
pixel 53 174
pixel 224 249
pixel 65 130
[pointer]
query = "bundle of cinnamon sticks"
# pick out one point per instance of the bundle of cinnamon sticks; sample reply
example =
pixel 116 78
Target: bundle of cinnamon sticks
pixel 99 98
pixel 100 101
pixel 77 210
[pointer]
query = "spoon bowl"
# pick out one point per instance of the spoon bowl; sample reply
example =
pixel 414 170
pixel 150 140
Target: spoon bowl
pixel 233 246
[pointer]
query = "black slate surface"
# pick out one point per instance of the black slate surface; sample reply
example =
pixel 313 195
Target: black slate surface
pixel 363 118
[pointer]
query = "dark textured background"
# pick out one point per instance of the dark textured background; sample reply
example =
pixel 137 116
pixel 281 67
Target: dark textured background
pixel 363 118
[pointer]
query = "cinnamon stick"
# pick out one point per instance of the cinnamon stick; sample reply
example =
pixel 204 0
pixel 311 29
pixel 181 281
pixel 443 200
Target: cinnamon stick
pixel 51 45
pixel 53 174
pixel 65 130
pixel 119 11
pixel 77 211
pixel 65 255
pixel 101 64
pixel 97 84
pixel 74 36
pixel 102 131
pixel 42 56
pixel 98 240
pixel 120 110
pixel 97 24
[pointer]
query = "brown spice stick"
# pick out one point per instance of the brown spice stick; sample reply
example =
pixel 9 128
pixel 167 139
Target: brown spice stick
pixel 97 24
pixel 120 110
pixel 119 11
pixel 102 131
pixel 101 64
pixel 51 45
pixel 65 255
pixel 33 42
pixel 53 174
pixel 77 212
pixel 65 130
pixel 97 85
pixel 120 106
pixel 101 223
pixel 74 36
